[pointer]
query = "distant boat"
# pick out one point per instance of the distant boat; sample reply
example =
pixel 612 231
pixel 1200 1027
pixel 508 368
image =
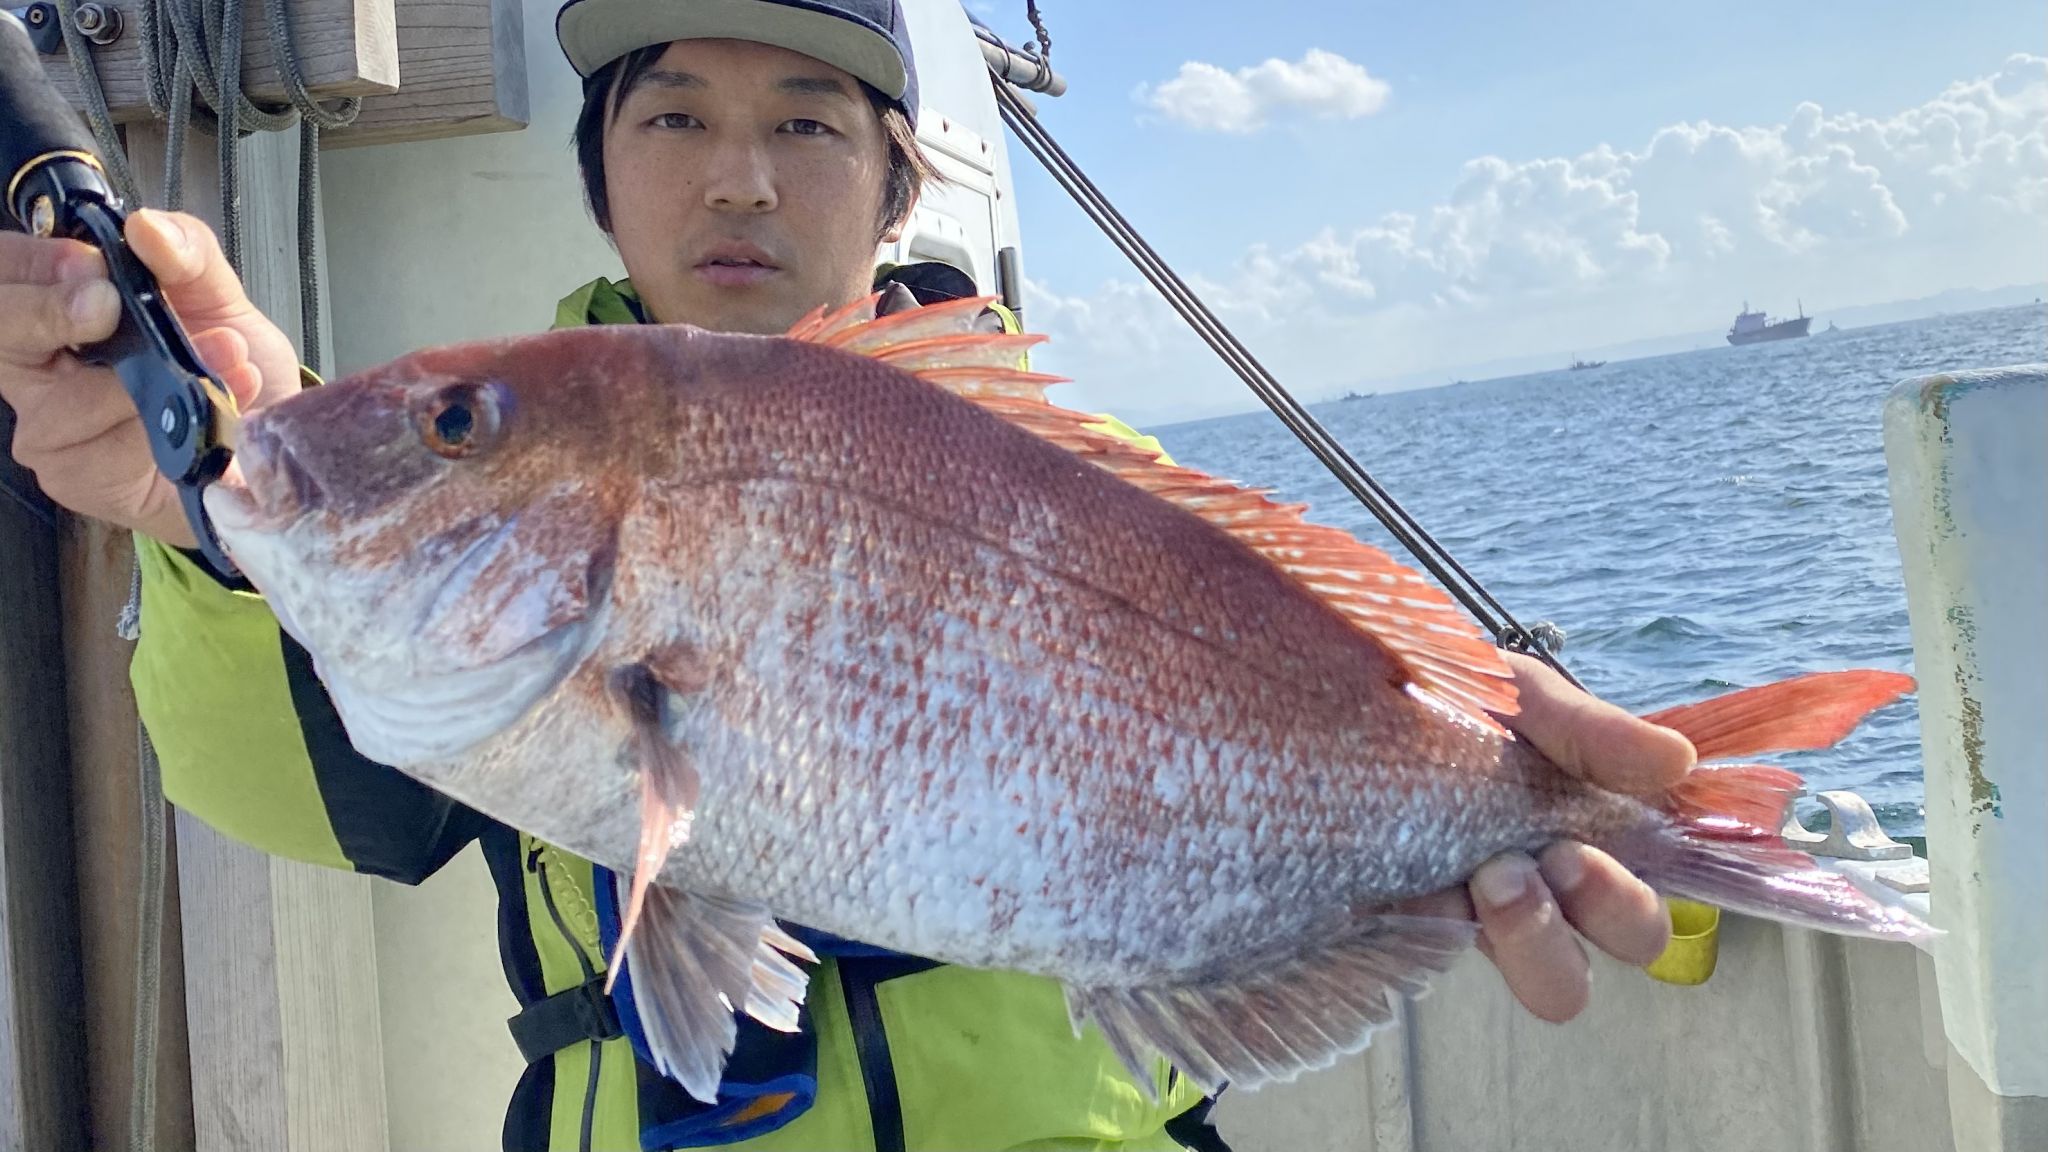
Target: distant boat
pixel 1582 365
pixel 1755 327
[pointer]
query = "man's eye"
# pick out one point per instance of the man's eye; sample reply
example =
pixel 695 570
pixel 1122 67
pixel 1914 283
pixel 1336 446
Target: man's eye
pixel 675 120
pixel 803 127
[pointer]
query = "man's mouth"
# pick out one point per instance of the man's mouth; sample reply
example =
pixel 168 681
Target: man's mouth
pixel 734 264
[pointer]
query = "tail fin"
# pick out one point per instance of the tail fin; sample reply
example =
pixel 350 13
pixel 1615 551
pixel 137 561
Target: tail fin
pixel 1722 845
pixel 1764 878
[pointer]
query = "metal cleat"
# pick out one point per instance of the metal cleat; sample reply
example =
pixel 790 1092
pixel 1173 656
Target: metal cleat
pixel 1854 833
pixel 1794 833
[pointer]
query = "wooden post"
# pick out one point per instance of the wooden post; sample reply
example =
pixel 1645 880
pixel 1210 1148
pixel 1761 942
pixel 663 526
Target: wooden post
pixel 42 1049
pixel 463 69
pixel 95 561
pixel 280 966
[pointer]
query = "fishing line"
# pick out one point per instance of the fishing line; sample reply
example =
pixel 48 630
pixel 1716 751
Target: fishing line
pixel 1490 613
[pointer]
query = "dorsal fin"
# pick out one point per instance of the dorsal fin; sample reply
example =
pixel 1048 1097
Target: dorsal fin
pixel 1440 647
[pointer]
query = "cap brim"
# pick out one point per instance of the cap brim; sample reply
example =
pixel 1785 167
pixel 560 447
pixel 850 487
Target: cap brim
pixel 595 32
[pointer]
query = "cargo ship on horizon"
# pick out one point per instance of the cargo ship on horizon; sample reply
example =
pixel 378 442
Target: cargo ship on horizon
pixel 1755 327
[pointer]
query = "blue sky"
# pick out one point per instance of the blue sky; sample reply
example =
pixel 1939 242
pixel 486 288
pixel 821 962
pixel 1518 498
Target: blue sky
pixel 1857 199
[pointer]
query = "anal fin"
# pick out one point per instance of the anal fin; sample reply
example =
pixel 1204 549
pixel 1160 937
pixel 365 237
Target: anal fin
pixel 696 961
pixel 1276 1021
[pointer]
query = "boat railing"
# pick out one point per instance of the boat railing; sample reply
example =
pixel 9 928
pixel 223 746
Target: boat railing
pixel 1795 1039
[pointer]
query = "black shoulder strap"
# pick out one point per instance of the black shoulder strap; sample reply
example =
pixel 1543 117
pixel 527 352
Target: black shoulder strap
pixel 858 976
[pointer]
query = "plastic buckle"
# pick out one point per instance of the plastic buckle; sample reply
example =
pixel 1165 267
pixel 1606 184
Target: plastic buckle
pixel 581 1013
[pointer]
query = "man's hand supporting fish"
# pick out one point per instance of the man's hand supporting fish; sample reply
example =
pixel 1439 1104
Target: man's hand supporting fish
pixel 1526 907
pixel 79 433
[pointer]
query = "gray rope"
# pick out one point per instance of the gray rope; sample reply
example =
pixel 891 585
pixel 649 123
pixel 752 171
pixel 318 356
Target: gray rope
pixel 186 45
pixel 149 914
pixel 1044 45
pixel 97 115
pixel 313 119
pixel 148 949
pixel 184 50
pixel 309 255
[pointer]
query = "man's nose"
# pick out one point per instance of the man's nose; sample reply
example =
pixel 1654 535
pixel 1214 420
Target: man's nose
pixel 740 178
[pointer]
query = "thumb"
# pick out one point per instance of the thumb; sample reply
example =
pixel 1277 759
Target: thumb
pixel 186 258
pixel 1592 738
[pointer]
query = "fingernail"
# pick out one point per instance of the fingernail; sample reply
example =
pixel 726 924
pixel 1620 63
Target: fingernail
pixel 173 231
pixel 1564 868
pixel 92 300
pixel 1502 882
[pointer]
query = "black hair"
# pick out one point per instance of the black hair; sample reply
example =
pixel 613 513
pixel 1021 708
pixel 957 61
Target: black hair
pixel 908 172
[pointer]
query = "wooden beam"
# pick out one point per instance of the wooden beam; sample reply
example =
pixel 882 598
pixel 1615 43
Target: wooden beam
pixel 42 1033
pixel 96 560
pixel 345 48
pixel 463 64
pixel 280 960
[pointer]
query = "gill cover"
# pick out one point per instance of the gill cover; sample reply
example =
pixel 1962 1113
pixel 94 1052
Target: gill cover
pixel 515 614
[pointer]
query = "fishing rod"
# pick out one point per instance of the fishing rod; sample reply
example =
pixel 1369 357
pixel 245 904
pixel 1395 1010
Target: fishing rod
pixel 1539 642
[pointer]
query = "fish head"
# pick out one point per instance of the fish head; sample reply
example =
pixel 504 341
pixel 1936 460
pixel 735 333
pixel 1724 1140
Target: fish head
pixel 438 533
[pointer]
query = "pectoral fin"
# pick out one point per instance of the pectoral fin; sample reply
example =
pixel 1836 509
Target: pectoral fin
pixel 652 693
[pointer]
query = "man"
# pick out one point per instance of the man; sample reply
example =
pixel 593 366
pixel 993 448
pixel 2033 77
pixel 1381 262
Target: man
pixel 745 158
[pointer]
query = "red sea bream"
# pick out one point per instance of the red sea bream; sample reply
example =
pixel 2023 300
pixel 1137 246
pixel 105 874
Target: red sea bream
pixel 851 628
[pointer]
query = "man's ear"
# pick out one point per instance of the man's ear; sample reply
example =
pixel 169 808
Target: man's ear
pixel 895 230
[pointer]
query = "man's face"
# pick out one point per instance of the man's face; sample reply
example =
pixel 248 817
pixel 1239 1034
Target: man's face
pixel 745 184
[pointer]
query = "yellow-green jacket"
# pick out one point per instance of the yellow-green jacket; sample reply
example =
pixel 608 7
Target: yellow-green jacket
pixel 896 1053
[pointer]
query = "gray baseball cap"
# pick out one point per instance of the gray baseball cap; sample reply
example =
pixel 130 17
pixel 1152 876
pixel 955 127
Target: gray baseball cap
pixel 868 39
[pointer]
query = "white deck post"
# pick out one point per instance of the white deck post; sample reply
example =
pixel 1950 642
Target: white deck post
pixel 1968 457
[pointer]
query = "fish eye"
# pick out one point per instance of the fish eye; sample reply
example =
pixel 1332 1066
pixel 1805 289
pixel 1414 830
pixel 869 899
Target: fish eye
pixel 459 420
pixel 453 423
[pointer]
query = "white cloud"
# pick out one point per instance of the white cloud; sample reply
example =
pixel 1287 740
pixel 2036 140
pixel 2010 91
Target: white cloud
pixel 1554 253
pixel 1207 97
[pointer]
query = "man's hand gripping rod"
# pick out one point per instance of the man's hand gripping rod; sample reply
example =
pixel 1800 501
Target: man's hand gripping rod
pixel 55 186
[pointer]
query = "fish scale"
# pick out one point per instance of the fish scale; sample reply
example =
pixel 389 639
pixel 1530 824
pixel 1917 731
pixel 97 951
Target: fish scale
pixel 879 642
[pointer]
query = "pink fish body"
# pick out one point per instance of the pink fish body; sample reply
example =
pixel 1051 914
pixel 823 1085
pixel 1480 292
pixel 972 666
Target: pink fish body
pixel 852 630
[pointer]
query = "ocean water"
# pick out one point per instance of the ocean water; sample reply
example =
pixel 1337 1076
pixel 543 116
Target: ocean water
pixel 1694 522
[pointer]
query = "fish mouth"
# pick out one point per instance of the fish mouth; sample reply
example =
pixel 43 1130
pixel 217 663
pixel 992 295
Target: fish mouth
pixel 267 488
pixel 230 504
